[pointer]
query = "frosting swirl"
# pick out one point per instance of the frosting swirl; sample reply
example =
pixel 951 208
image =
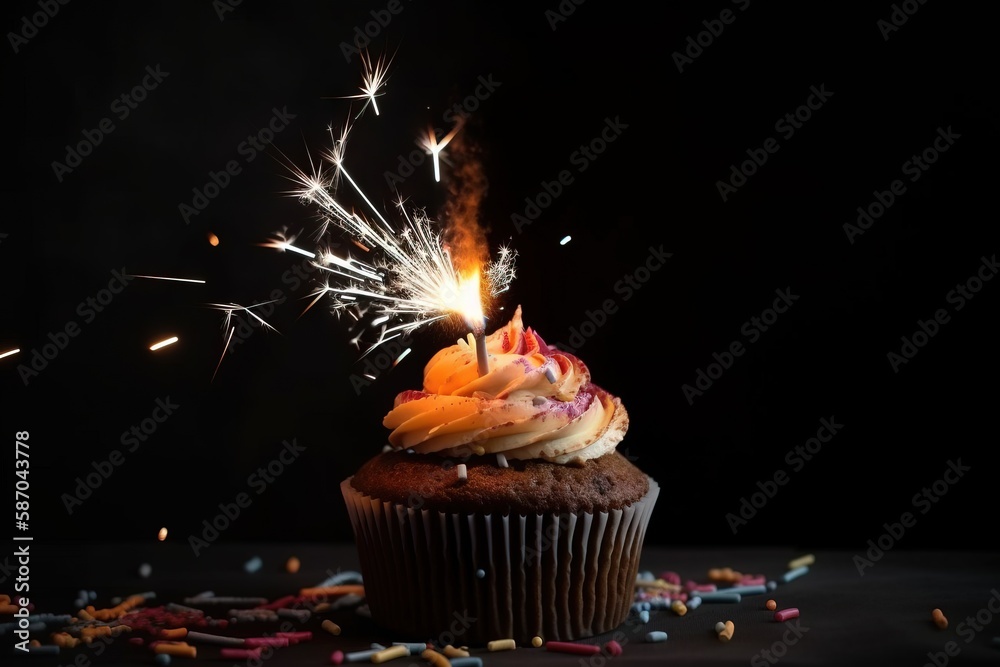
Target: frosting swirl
pixel 535 402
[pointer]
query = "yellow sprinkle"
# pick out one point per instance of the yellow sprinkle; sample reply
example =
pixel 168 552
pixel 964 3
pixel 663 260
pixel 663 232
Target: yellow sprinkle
pixel 808 559
pixel 435 658
pixel 180 650
pixel 939 619
pixel 293 564
pixel 85 615
pixel 453 652
pixel 391 653
pixel 679 607
pixel 727 632
pixel 771 605
pixel 501 645
pixel 536 641
pixel 322 607
pixel 330 627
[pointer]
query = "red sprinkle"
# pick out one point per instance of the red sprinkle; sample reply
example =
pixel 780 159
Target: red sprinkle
pixel 571 647
pixel 280 603
pixel 786 614
pixel 613 648
pixel 255 642
pixel 239 653
pixel 295 637
pixel 337 657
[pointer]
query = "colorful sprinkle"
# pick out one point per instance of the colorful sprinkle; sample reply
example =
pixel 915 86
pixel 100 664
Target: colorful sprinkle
pixel 390 653
pixel 467 662
pixel 796 563
pixel 253 564
pixel 786 614
pixel 162 659
pixel 939 619
pixel 435 658
pixel 794 574
pixel 572 647
pixel 727 631
pixel 337 657
pixel 292 565
pixel 501 645
pixel 678 607
pixel 453 652
pixel 330 627
pixel 145 570
pixel 240 653
pixel 613 648
pixel 771 605
pixel 536 641
pixel 656 636
pixel 480 573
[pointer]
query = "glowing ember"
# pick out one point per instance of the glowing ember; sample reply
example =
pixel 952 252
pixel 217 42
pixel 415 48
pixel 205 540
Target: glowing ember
pixel 162 535
pixel 213 239
pixel 163 343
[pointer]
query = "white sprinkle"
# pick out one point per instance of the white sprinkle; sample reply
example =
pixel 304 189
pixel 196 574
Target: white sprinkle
pixel 502 461
pixel 462 474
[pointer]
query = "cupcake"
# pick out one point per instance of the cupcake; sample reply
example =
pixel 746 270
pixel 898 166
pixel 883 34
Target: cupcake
pixel 501 508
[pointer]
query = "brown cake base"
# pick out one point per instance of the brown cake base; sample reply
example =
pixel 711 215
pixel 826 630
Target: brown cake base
pixel 453 570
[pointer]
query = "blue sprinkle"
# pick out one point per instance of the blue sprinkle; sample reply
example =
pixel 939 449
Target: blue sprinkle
pixel 162 659
pixel 480 573
pixel 45 649
pixel 794 574
pixel 644 616
pixel 92 595
pixel 745 590
pixel 720 597
pixel 771 585
pixel 253 564
pixel 471 661
pixel 657 636
pixel 145 570
pixel 646 575
pixel 694 602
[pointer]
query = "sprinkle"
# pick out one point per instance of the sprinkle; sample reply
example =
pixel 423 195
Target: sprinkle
pixel 390 653
pixel 253 564
pixel 414 648
pixel 301 615
pixel 657 636
pixel 613 648
pixel 180 608
pixel 786 614
pixel 502 461
pixel 752 580
pixel 322 607
pixel 453 652
pixel 726 633
pixel 796 563
pixel 771 605
pixel 337 657
pixel 292 565
pixel 501 645
pixel 536 641
pixel 346 577
pixel 694 602
pixel 254 642
pixel 724 574
pixel 330 627
pixel 539 400
pixel 794 574
pixel 332 590
pixel 572 647
pixel 745 590
pixel 678 607
pixel 644 616
pixel 220 640
pixel 348 600
pixel 296 637
pixel 239 653
pixel 550 375
pixel 467 662
pixel 480 573
pixel 671 577
pixel 720 597
pixel 435 658
pixel 939 619
pixel 145 570
pixel 162 659
pixel 180 650
pixel 48 649
pixel 463 475
pixel 173 633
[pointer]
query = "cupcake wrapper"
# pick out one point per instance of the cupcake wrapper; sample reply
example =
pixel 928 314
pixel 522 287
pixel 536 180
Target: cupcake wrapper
pixel 558 576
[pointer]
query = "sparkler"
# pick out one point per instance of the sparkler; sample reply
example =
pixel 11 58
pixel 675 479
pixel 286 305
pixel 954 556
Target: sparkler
pixel 411 277
pixel 373 77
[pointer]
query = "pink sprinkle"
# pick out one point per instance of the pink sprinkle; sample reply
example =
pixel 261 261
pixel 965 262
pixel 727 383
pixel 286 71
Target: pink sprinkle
pixel 295 637
pixel 753 580
pixel 694 587
pixel 337 657
pixel 280 603
pixel 671 578
pixel 239 653
pixel 785 614
pixel 572 647
pixel 613 648
pixel 254 642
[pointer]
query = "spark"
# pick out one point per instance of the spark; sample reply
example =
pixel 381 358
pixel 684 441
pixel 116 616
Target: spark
pixel 407 278
pixel 180 280
pixel 229 309
pixel 163 343
pixel 162 535
pixel 566 239
pixel 9 352
pixel 223 356
pixel 373 77
pixel 431 144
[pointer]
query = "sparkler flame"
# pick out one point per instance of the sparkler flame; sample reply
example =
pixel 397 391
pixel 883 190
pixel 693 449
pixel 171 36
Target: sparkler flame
pixel 415 271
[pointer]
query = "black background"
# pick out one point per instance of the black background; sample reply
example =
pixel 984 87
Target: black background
pixel 654 187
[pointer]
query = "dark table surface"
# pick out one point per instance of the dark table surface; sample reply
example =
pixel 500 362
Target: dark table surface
pixel 855 608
